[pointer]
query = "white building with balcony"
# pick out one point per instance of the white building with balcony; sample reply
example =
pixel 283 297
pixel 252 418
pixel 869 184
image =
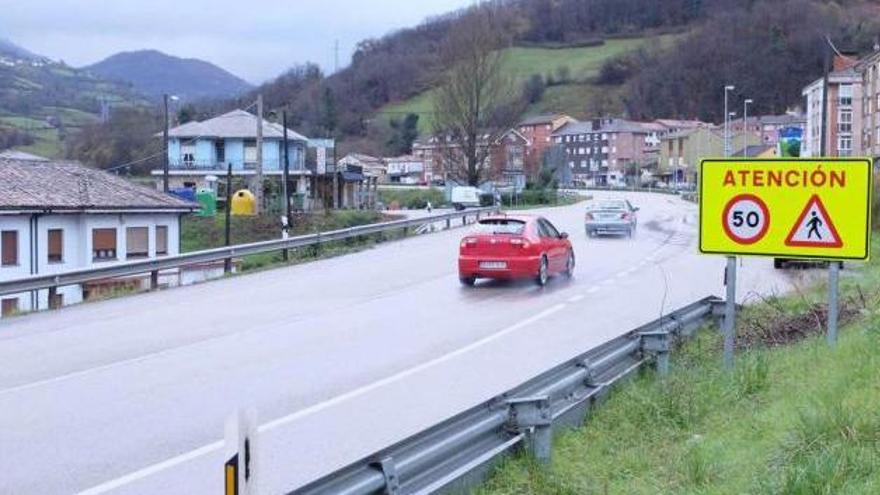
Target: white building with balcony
pixel 61 216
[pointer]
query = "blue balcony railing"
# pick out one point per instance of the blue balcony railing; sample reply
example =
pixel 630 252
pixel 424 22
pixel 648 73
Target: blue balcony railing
pixel 217 166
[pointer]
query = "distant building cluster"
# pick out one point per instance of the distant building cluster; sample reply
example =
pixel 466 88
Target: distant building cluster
pixel 852 125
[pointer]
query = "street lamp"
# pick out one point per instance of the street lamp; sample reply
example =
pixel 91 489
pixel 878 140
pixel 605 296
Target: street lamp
pixel 727 89
pixel 746 103
pixel 165 99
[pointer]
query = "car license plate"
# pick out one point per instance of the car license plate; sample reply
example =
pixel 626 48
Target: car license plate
pixel 493 265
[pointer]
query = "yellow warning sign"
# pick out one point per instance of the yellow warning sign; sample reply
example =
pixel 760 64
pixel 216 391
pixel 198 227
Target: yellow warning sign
pixel 788 207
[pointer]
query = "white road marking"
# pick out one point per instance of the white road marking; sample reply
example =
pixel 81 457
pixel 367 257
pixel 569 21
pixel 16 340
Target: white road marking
pixel 576 298
pixel 215 446
pixel 593 290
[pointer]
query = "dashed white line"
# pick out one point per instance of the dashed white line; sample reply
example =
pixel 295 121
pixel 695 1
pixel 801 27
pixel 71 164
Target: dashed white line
pixel 592 290
pixel 575 298
pixel 215 446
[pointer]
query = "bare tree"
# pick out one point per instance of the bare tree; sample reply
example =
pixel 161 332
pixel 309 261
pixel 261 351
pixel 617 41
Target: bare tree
pixel 476 102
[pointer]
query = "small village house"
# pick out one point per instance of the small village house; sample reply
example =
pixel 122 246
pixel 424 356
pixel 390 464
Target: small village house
pixel 60 216
pixel 504 161
pixel 199 150
pixel 406 169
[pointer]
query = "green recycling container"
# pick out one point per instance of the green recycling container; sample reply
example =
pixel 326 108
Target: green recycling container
pixel 208 200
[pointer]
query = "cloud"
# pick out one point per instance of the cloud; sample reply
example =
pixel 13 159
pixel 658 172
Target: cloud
pixel 256 39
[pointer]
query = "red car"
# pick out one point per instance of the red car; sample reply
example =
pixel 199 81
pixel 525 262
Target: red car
pixel 515 246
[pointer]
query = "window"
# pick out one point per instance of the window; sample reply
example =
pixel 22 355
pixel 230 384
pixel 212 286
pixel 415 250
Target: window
pixel 137 242
pixel 188 153
pixel 845 94
pixel 250 151
pixel 9 306
pixel 546 229
pixel 845 123
pixel 161 240
pixel 55 246
pixel 220 151
pixel 9 248
pixel 103 244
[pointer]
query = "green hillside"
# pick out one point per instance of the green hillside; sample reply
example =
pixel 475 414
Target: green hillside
pixel 48 100
pixel 569 72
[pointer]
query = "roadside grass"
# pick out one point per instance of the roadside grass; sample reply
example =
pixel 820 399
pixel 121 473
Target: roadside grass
pixel 198 233
pixel 801 418
pixel 412 199
pixel 540 199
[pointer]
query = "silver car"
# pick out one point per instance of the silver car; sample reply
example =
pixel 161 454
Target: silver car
pixel 610 216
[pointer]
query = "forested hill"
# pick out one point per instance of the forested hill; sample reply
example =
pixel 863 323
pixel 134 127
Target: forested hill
pixel 767 48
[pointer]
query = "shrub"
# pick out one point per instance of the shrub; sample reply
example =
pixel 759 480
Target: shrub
pixel 876 211
pixel 412 198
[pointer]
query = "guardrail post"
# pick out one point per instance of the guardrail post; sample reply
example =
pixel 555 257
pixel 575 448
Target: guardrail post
pixel 53 297
pixel 389 472
pixel 154 279
pixel 448 223
pixel 658 344
pixel 533 416
pixel 464 220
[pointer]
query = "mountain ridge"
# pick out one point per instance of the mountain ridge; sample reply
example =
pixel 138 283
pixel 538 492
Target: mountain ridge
pixel 155 73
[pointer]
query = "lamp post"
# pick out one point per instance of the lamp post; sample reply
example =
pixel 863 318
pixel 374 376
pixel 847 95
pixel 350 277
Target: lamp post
pixel 165 98
pixel 730 271
pixel 746 103
pixel 727 89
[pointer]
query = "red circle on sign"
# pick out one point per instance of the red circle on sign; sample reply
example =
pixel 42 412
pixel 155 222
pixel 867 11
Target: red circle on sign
pixel 763 207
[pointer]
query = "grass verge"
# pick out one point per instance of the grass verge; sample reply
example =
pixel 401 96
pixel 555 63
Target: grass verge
pixel 199 233
pixel 794 417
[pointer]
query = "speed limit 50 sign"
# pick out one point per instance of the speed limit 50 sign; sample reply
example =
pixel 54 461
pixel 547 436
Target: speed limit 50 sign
pixel 798 208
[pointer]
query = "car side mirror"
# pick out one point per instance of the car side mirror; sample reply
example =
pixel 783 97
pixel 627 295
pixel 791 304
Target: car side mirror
pixel 563 235
pixel 636 208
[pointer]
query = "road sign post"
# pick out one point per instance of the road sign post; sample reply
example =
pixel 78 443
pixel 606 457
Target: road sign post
pixel 730 311
pixel 811 208
pixel 239 467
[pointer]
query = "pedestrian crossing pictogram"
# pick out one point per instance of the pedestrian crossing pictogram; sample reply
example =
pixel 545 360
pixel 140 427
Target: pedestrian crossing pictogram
pixel 814 227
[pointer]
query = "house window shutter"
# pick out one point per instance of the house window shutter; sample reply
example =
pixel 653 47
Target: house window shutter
pixel 161 240
pixel 9 248
pixel 137 242
pixel 104 244
pixel 56 245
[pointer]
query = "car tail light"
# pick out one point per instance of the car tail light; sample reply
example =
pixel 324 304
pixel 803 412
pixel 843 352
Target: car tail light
pixel 468 242
pixel 624 216
pixel 519 241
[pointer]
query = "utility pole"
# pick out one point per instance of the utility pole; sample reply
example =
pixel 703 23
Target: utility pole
pixel 165 145
pixel 284 186
pixel 258 177
pixel 227 263
pixel 335 179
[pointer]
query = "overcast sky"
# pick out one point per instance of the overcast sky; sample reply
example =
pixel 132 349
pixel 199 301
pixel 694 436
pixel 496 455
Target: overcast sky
pixel 255 39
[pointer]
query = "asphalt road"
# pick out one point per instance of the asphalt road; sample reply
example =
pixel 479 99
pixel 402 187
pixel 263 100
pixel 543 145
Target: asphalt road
pixel 340 357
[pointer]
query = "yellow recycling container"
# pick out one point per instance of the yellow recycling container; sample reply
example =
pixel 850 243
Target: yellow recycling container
pixel 243 203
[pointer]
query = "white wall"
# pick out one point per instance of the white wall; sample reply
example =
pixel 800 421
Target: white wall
pixel 77 246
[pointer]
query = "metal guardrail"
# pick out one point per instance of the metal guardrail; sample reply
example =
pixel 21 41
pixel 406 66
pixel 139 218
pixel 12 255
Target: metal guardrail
pixel 154 265
pixel 458 453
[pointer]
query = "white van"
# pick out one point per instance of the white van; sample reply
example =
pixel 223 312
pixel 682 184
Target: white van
pixel 465 197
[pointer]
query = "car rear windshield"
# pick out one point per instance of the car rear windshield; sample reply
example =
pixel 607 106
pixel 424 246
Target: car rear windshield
pixel 501 226
pixel 609 205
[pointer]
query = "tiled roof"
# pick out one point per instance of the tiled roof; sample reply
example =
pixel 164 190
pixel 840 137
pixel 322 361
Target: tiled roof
pixel 70 186
pixel 541 119
pixel 20 155
pixel 234 124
